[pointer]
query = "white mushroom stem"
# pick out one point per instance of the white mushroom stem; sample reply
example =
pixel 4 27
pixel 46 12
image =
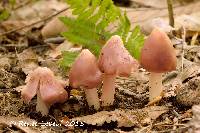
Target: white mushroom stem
pixel 108 90
pixel 92 98
pixel 41 106
pixel 155 85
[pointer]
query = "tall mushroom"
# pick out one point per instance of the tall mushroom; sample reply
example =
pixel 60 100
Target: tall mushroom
pixel 49 90
pixel 114 60
pixel 85 73
pixel 157 56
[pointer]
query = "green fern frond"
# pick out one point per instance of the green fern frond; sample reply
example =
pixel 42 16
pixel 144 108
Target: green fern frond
pixel 67 59
pixel 89 28
pixel 135 42
pixel 124 27
pixel 4 14
pixel 83 33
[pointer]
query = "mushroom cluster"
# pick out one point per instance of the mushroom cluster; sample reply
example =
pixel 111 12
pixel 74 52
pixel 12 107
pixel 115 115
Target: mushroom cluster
pixel 49 90
pixel 86 72
pixel 157 56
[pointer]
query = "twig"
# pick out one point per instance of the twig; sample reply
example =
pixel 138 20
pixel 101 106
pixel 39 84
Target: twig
pixel 1 80
pixel 176 113
pixel 170 125
pixel 22 5
pixel 7 90
pixel 171 12
pixel 55 40
pixel 170 130
pixel 34 23
pixel 141 4
pixel 145 7
pixel 181 126
pixel 145 128
pixel 183 47
pixel 194 38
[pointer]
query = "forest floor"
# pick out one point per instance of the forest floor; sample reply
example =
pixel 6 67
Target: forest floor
pixel 22 49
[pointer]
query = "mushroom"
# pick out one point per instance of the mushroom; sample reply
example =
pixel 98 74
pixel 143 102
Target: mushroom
pixel 85 74
pixel 114 60
pixel 157 56
pixel 49 90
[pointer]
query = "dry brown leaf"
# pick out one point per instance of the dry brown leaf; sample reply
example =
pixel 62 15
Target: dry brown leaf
pixel 150 13
pixel 66 45
pixel 20 123
pixel 38 10
pixel 189 93
pixel 133 14
pixel 124 118
pixel 194 123
pixel 192 53
pixel 28 60
pixel 13 24
pixel 180 83
pixel 171 88
pixel 148 26
pixel 190 72
pixel 5 63
pixel 55 26
pixel 190 22
pixel 53 65
pixel 153 3
pixel 65 121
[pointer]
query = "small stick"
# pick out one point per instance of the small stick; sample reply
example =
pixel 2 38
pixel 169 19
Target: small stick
pixel 183 47
pixel 1 80
pixel 22 5
pixel 171 12
pixel 34 23
pixel 194 38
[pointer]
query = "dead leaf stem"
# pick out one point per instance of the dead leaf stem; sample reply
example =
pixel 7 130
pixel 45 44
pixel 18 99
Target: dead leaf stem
pixel 170 12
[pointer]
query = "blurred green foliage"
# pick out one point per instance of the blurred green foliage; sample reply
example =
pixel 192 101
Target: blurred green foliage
pixel 91 27
pixel 5 8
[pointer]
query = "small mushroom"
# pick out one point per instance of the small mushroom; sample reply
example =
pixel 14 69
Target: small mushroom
pixel 85 74
pixel 157 56
pixel 114 60
pixel 49 90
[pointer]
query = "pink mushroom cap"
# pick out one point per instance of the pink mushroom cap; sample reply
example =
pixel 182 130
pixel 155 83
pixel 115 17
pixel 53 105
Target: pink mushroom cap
pixel 84 71
pixel 115 59
pixel 42 79
pixel 158 54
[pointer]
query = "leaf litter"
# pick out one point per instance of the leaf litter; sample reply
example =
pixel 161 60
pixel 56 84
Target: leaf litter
pixel 124 118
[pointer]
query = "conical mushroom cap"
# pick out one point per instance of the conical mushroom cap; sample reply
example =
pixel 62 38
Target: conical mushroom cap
pixel 42 79
pixel 51 89
pixel 31 87
pixel 84 71
pixel 158 54
pixel 115 59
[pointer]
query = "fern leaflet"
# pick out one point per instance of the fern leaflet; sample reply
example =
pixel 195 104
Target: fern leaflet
pixel 91 26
